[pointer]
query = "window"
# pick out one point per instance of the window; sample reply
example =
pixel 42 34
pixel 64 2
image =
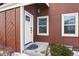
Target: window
pixel 42 25
pixel 70 24
pixel 27 18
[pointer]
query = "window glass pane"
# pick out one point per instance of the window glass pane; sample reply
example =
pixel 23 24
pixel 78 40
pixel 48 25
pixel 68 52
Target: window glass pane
pixel 42 29
pixel 43 21
pixel 69 19
pixel 69 29
pixel 27 18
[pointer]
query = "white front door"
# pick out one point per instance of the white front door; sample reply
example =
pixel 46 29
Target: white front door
pixel 28 27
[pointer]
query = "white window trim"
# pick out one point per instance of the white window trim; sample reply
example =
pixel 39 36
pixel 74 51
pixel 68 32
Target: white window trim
pixel 44 34
pixel 76 25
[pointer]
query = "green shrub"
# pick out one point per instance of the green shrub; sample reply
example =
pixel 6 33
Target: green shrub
pixel 60 50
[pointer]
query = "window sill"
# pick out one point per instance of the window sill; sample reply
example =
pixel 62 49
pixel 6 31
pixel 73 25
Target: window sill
pixel 43 34
pixel 69 35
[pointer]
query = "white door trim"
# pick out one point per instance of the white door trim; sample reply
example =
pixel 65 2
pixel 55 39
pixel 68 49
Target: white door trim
pixel 21 29
pixel 27 13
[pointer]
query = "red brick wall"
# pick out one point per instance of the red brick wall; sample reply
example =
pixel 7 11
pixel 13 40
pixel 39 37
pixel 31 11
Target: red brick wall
pixel 54 11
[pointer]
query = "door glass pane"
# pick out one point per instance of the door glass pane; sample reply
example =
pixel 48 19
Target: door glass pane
pixel 43 21
pixel 69 29
pixel 42 29
pixel 69 19
pixel 27 18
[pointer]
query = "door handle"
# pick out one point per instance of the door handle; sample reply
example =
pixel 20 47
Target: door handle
pixel 31 29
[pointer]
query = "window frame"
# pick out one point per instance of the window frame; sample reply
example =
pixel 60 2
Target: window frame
pixel 76 25
pixel 44 34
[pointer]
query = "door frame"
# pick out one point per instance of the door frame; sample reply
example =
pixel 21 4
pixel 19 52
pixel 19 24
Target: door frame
pixel 31 16
pixel 22 28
